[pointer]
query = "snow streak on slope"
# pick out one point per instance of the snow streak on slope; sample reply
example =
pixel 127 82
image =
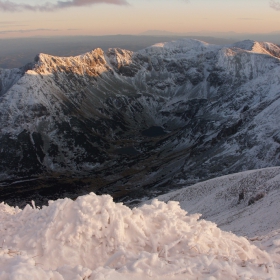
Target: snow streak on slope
pixel 94 238
pixel 9 77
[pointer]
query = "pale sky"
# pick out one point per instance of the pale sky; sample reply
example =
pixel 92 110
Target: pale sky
pixel 23 18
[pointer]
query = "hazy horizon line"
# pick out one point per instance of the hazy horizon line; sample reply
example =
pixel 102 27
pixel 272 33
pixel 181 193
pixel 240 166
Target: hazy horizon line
pixel 152 32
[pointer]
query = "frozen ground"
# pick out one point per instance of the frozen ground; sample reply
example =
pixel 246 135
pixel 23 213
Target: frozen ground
pixel 95 238
pixel 220 201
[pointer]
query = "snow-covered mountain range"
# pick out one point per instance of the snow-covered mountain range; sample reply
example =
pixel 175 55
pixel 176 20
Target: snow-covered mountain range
pixel 139 123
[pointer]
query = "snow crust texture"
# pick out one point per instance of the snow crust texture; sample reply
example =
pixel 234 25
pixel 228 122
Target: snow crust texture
pixel 245 203
pixel 95 238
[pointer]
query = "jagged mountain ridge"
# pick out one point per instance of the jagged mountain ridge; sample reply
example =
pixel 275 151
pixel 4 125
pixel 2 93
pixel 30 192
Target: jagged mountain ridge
pixel 215 110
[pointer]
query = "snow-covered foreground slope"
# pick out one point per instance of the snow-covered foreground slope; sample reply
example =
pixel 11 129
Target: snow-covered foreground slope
pixel 95 238
pixel 245 203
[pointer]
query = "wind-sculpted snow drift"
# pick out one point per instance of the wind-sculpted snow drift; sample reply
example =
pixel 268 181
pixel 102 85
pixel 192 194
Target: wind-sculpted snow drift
pixel 214 110
pixel 95 238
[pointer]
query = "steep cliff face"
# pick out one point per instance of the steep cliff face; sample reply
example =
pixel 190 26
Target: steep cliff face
pixel 175 112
